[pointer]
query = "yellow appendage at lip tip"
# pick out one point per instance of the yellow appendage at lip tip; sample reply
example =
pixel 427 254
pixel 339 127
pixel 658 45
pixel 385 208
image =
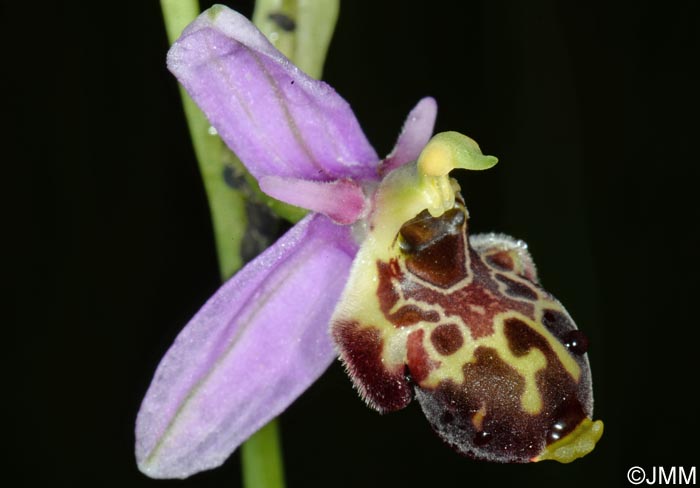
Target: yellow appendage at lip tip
pixel 574 445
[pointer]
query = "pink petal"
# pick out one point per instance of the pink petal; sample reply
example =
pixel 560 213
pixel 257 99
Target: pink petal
pixel 416 132
pixel 341 200
pixel 278 120
pixel 252 349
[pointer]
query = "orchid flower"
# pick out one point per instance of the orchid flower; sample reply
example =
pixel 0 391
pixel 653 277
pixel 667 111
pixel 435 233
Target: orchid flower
pixel 415 306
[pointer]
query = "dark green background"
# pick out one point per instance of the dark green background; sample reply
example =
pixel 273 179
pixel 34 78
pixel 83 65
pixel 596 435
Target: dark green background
pixel 588 105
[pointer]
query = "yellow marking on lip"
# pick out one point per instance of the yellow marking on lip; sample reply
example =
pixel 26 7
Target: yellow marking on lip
pixel 563 354
pixel 533 361
pixel 478 418
pixel 527 365
pixel 451 368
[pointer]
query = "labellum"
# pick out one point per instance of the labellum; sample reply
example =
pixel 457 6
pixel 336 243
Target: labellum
pixel 463 324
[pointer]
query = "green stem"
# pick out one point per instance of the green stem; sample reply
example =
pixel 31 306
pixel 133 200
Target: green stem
pixel 226 204
pixel 302 30
pixel 261 461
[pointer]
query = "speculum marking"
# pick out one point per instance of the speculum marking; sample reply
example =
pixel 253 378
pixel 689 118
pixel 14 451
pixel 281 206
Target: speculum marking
pixel 501 260
pixel 447 339
pixel 517 289
pixel 411 315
